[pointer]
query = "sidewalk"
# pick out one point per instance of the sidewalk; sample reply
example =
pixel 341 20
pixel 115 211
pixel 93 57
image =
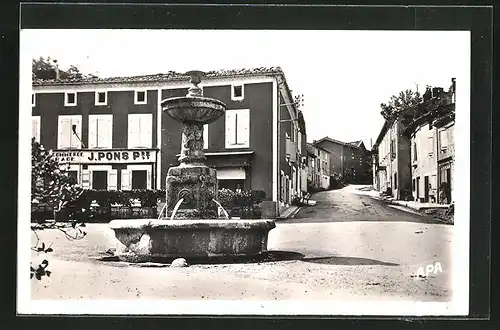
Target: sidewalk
pixel 417 206
pixel 288 213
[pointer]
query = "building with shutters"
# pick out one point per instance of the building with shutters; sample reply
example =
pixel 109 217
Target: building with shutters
pixel 431 137
pixel 112 133
pixel 351 160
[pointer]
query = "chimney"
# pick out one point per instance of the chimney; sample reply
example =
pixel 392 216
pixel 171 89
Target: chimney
pixel 58 75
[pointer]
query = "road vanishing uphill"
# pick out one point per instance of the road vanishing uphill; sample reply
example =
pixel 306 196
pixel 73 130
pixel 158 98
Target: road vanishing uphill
pixel 352 247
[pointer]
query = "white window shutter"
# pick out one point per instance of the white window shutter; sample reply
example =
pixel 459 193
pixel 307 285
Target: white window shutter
pixel 148 178
pixel 104 131
pixel 205 136
pixel 86 179
pixel 146 130
pixel 64 128
pixel 243 127
pixel 125 184
pixel 230 128
pixel 35 127
pixel 112 179
pixel 92 132
pixel 133 130
pixel 74 141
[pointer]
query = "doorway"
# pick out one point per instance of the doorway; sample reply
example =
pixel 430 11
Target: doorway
pixel 448 179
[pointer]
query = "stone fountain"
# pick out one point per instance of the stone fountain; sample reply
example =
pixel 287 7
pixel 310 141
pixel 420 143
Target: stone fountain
pixel 191 227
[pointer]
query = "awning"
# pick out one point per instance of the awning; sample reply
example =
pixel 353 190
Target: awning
pixel 231 174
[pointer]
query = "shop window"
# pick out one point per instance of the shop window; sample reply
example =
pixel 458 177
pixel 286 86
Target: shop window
pixel 69 131
pixel 100 180
pixel 237 128
pixel 232 184
pixel 139 179
pixel 73 176
pixel 100 131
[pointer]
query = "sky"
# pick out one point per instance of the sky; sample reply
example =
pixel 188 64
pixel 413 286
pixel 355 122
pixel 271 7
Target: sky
pixel 343 75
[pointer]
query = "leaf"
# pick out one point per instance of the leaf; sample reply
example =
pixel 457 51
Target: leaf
pixel 49 250
pixel 31 275
pixel 38 276
pixel 43 246
pixel 45 262
pixel 48 272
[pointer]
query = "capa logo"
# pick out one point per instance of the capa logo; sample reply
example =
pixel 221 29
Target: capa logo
pixel 428 269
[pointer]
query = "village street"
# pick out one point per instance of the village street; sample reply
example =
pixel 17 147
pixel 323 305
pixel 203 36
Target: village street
pixel 351 247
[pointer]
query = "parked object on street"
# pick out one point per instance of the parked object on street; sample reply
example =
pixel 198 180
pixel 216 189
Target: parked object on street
pixel 193 229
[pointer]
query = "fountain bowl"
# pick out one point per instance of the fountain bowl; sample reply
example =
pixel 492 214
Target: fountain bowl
pixel 194 110
pixel 154 239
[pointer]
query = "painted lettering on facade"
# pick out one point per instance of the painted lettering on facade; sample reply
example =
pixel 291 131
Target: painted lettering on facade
pixel 106 156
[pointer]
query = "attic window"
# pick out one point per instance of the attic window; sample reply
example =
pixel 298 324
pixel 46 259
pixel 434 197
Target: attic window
pixel 70 99
pixel 237 92
pixel 140 97
pixel 101 98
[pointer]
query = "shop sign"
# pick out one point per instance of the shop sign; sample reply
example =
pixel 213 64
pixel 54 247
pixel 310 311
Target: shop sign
pixel 106 156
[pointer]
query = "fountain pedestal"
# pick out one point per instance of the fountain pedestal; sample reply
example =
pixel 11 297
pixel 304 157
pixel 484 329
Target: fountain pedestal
pixel 192 187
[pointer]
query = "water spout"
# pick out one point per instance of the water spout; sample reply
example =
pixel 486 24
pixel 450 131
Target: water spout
pixel 162 210
pixel 176 207
pixel 223 210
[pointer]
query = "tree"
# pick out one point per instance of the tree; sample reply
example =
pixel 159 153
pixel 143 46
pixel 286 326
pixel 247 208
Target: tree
pixel 405 104
pixel 51 186
pixel 46 69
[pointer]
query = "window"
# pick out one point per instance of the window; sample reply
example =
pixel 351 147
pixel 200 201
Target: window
pixel 140 130
pixel 237 128
pixel 140 97
pixel 100 180
pixel 413 185
pixel 101 98
pixel 69 132
pixel 139 179
pixel 73 176
pixel 415 151
pixel 35 128
pixel 396 180
pixel 100 131
pixel 237 92
pixel 443 139
pixel 205 136
pixel 136 177
pixel 431 145
pixel 69 99
pixel 33 99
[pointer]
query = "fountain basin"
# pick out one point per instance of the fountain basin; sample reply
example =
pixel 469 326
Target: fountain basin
pixel 153 238
pixel 195 110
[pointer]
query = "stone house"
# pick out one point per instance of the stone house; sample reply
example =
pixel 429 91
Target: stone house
pixel 351 160
pixel 432 152
pixel 113 135
pixel 391 160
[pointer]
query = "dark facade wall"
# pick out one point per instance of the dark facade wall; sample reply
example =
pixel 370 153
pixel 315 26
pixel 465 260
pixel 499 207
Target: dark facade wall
pixel 120 103
pixel 336 152
pixel 258 98
pixel 403 162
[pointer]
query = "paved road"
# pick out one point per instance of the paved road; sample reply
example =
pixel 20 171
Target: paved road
pixel 346 205
pixel 352 247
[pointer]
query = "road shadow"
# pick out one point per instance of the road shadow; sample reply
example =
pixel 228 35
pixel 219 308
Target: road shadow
pixel 268 256
pixel 348 261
